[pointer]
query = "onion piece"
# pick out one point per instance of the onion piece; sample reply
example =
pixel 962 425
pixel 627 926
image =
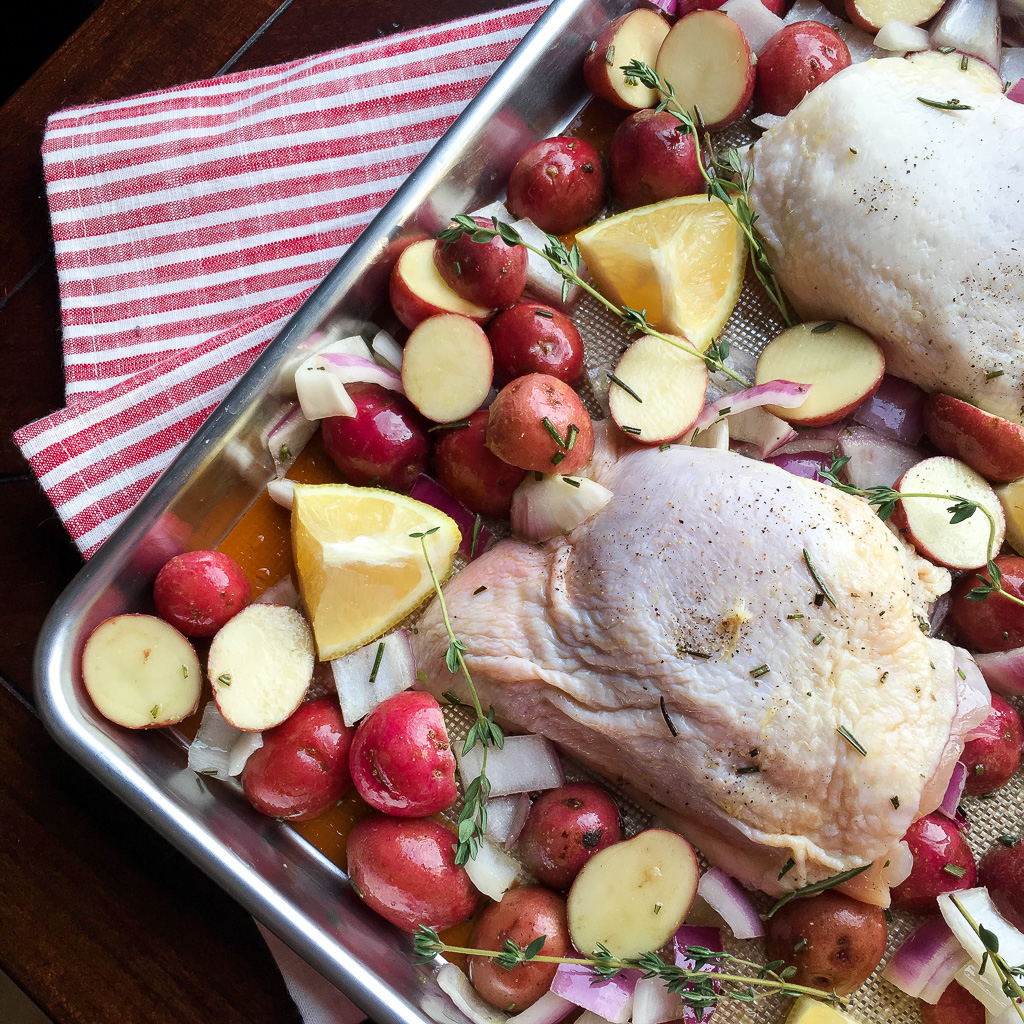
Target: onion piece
pixel 350 369
pixel 757 22
pixel 611 1000
pixel 954 791
pixel 244 747
pixel 542 280
pixel 927 961
pixel 899 37
pixel 283 591
pixel 524 764
pixel 875 460
pixel 652 1001
pixel 1011 64
pixel 785 393
pixel 766 432
pixel 815 439
pixel 492 870
pixel 287 437
pixel 321 394
pixel 728 899
pixel 1016 92
pixel 457 987
pixel 803 464
pixel 1003 671
pixel 669 6
pixel 549 1009
pixel 715 436
pixel 430 492
pixel 506 816
pixel 219 750
pixel 387 351
pixel 971 27
pixel 282 492
pixel 896 410
pixel 555 505
pixel 708 938
pixel 396 672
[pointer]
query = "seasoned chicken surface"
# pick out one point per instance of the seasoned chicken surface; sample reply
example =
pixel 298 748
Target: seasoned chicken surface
pixel 684 642
pixel 906 220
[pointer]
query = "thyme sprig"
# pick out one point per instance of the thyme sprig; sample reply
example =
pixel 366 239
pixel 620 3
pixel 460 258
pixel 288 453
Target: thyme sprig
pixel 1007 975
pixel 699 986
pixel 566 262
pixel 484 731
pixel 885 499
pixel 814 888
pixel 732 186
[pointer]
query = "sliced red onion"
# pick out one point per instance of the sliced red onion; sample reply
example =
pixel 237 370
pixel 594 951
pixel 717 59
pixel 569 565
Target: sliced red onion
pixel 927 961
pixel 899 37
pixel 525 764
pixel 814 439
pixel 549 1009
pixel 730 901
pixel 430 492
pixel 454 984
pixel 652 1001
pixel 766 432
pixel 803 464
pixel 971 27
pixel 896 410
pixel 669 6
pixel 287 437
pixel 939 611
pixel 492 870
pixel 321 394
pixel 1016 92
pixel 1003 671
pixel 785 393
pixel 555 505
pixel 282 492
pixel 282 592
pixel 875 460
pixel 219 750
pixel 757 22
pixel 350 369
pixel 387 351
pixel 954 791
pixel 715 436
pixel 707 938
pixel 543 282
pixel 396 671
pixel 506 816
pixel 611 1000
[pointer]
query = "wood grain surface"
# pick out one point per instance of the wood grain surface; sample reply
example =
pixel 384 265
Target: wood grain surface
pixel 101 921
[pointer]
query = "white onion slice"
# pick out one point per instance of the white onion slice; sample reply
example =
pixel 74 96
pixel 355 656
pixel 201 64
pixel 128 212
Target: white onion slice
pixel 506 816
pixel 765 431
pixel 732 904
pixel 1003 671
pixel 875 460
pixel 387 351
pixel 652 1001
pixel 555 505
pixel 900 37
pixel 321 394
pixel 287 437
pixel 1011 64
pixel 454 984
pixel 757 22
pixel 611 1000
pixel 244 747
pixel 549 1009
pixel 969 26
pixel 430 492
pixel 927 961
pixel 219 750
pixel 785 393
pixel 492 870
pixel 715 436
pixel 350 369
pixel 283 591
pixel 954 791
pixel 396 672
pixel 282 492
pixel 542 280
pixel 525 764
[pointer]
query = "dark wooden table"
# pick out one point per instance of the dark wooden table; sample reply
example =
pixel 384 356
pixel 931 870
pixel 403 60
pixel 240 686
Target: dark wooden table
pixel 101 921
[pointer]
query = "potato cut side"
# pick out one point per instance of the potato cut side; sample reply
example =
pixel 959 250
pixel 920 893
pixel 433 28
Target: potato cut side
pixel 842 364
pixel 633 896
pixel 976 70
pixel 261 665
pixel 1011 496
pixel 447 368
pixel 661 392
pixel 707 60
pixel 141 672
pixel 963 545
pixel 420 283
pixel 636 36
pixel 871 15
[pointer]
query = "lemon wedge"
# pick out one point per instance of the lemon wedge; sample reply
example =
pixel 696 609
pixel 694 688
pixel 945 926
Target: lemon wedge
pixel 681 260
pixel 809 1011
pixel 359 570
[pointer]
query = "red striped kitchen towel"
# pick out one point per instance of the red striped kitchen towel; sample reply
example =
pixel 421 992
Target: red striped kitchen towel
pixel 190 223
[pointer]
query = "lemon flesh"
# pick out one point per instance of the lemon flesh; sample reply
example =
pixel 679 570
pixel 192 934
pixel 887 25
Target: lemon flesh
pixel 360 571
pixel 809 1011
pixel 681 260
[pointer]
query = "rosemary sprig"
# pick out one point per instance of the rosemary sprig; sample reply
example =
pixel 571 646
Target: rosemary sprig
pixel 695 986
pixel 953 104
pixel 885 499
pixel 566 262
pixel 473 819
pixel 815 887
pixel 1007 974
pixel 733 188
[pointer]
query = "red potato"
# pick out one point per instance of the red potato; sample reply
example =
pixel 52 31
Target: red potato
pixel 651 160
pixel 401 761
pixel 474 474
pixel 797 59
pixel 777 7
pixel 525 416
pixel 990 445
pixel 198 591
pixel 994 624
pixel 635 36
pixel 955 1006
pixel 447 367
pixel 523 915
pixel 871 15
pixel 534 338
pixel 490 274
pixel 559 184
pixel 405 870
pixel 302 768
pixel 927 521
pixel 707 60
pixel 140 672
pixel 943 862
pixel 833 940
pixel 565 828
pixel 385 444
pixel 1001 871
pixel 992 758
pixel 418 291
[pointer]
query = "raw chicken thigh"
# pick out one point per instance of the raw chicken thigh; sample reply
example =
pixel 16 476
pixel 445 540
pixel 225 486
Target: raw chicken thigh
pixel 688 600
pixel 906 220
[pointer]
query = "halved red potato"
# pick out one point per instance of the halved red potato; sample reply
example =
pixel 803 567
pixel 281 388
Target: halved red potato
pixel 990 445
pixel 843 365
pixel 635 36
pixel 418 291
pixel 871 15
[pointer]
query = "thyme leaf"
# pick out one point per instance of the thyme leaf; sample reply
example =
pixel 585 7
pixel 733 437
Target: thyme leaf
pixel 815 887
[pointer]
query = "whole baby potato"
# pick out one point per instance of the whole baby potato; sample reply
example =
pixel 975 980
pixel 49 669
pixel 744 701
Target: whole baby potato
pixel 565 828
pixel 833 940
pixel 530 337
pixel 491 274
pixel 797 59
pixel 943 862
pixel 405 870
pixel 651 160
pixel 523 915
pixel 525 417
pixel 993 756
pixel 198 591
